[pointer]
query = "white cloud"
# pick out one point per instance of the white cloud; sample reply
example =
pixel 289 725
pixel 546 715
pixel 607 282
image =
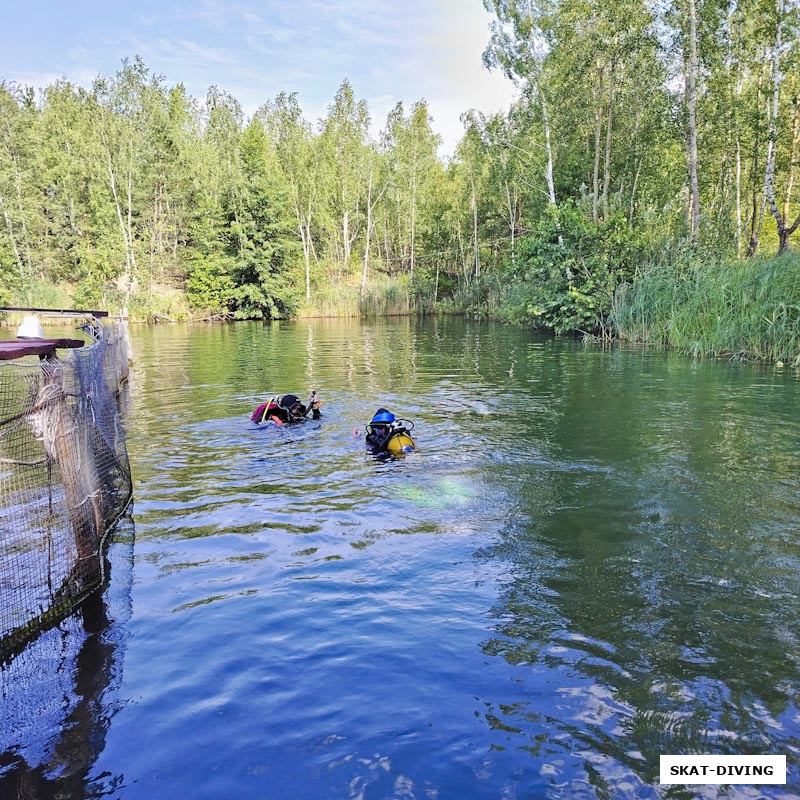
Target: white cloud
pixel 389 51
pixel 207 53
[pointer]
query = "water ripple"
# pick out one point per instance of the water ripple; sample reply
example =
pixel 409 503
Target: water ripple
pixel 591 560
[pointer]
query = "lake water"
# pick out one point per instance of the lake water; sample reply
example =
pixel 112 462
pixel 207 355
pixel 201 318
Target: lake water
pixel 592 559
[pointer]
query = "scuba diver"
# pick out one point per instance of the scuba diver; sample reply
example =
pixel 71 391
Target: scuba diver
pixel 389 434
pixel 287 409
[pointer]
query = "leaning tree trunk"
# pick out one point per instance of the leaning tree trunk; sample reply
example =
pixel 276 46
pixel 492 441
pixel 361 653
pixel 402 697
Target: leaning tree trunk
pixel 369 229
pixel 511 206
pixel 306 259
pixel 757 199
pixel 475 230
pixel 301 228
pixel 413 234
pixel 792 159
pixel 112 178
pixel 346 238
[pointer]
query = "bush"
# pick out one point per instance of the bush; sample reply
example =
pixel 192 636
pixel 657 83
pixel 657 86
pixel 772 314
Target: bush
pixel 209 283
pixel 484 297
pixel 164 303
pixel 566 271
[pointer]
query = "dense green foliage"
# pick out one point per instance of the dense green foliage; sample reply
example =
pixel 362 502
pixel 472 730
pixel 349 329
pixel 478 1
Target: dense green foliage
pixel 568 269
pixel 612 159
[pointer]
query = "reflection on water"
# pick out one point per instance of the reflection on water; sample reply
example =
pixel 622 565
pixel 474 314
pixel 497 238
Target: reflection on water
pixel 58 695
pixel 590 560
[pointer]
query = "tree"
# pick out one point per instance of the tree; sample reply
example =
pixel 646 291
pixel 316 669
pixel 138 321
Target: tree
pixel 410 145
pixel 17 183
pixel 343 143
pixel 518 45
pixel 785 230
pixel 119 119
pixel 471 153
pixel 216 235
pixel 690 56
pixel 300 161
pixel 266 278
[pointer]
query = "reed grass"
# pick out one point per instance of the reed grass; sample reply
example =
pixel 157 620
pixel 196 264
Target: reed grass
pixel 41 294
pixel 389 297
pixel 744 310
pixel 328 300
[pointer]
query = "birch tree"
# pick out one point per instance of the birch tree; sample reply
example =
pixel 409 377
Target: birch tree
pixel 343 143
pixel 518 47
pixel 785 229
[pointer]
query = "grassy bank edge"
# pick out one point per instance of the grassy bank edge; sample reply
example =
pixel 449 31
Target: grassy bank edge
pixel 744 310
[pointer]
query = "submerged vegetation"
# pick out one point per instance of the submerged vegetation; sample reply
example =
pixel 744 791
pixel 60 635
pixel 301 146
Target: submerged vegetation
pixel 631 191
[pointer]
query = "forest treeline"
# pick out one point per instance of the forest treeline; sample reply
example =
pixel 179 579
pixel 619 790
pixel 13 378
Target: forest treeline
pixel 648 138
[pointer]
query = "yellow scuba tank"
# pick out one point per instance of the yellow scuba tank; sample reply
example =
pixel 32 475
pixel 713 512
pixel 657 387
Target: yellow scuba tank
pixel 388 434
pixel 400 443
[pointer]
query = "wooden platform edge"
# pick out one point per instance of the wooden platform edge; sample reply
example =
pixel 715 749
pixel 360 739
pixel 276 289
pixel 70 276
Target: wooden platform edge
pixel 19 348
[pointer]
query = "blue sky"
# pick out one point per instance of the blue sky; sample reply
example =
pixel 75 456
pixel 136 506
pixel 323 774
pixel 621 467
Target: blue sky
pixel 389 50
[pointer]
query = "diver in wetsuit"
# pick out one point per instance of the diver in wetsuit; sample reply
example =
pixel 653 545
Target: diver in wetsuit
pixel 388 434
pixel 287 409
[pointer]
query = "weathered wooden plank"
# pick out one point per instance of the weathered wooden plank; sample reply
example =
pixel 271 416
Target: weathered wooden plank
pixel 18 348
pixel 77 312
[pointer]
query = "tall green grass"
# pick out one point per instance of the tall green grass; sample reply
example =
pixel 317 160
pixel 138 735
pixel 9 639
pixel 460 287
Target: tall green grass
pixel 745 310
pixel 164 304
pixel 41 294
pixel 389 297
pixel 328 300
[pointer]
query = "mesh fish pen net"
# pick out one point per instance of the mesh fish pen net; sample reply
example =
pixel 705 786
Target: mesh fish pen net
pixel 64 480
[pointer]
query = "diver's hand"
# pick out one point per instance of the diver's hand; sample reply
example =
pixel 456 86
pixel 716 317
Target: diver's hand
pixel 316 403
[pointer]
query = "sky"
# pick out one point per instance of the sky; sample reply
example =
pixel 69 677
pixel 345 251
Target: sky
pixel 390 50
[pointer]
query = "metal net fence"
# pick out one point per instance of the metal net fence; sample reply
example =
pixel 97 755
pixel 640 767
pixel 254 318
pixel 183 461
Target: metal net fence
pixel 64 480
